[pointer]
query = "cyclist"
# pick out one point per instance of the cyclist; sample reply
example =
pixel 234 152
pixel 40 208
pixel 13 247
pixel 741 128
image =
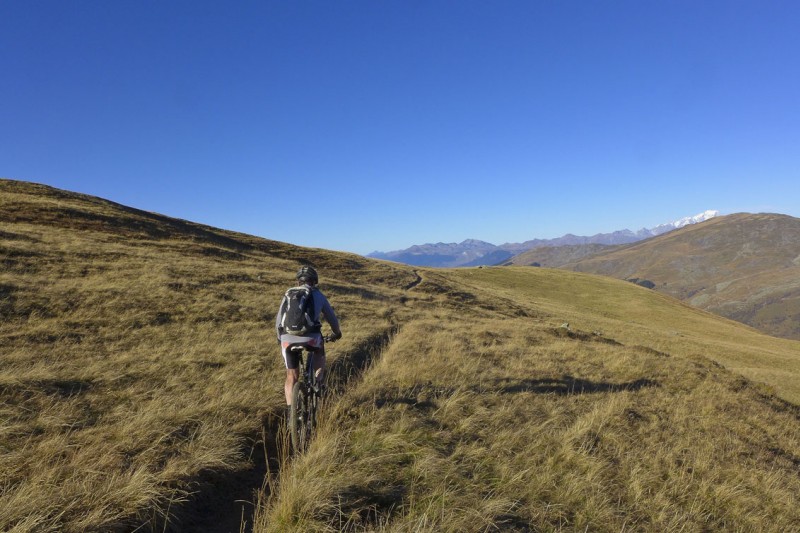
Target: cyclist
pixel 311 337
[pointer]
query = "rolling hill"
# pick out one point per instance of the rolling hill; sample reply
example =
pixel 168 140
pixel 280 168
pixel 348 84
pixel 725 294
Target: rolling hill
pixel 744 266
pixel 557 256
pixel 142 390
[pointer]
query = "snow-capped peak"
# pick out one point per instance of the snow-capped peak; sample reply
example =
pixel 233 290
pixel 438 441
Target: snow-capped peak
pixel 702 217
pixel 685 221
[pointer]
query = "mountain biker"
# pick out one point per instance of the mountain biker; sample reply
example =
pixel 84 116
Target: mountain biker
pixel 313 339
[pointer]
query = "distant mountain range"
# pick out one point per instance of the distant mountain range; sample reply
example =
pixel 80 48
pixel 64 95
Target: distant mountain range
pixel 472 252
pixel 742 266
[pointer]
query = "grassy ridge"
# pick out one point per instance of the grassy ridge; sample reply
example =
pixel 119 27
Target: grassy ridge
pixel 634 315
pixel 139 373
pixel 504 420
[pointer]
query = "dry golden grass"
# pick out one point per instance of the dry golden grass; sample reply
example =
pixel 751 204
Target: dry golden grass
pixel 516 424
pixel 141 386
pixel 637 316
pixel 504 420
pixel 139 360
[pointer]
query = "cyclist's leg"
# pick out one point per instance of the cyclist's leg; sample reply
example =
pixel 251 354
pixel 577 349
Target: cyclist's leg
pixel 319 363
pixel 292 370
pixel 292 374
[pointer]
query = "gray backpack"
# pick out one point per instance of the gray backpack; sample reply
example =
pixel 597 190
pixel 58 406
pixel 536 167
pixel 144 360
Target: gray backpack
pixel 299 312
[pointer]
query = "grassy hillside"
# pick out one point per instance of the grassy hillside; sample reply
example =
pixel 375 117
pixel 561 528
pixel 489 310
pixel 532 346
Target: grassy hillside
pixel 557 256
pixel 140 380
pixel 745 267
pixel 138 358
pixel 507 419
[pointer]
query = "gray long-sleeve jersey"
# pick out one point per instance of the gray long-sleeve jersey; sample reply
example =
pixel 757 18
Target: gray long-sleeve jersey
pixel 321 307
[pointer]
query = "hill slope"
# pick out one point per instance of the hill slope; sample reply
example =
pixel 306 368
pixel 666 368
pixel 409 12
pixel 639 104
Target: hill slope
pixel 139 360
pixel 557 256
pixel 507 420
pixel 140 380
pixel 745 267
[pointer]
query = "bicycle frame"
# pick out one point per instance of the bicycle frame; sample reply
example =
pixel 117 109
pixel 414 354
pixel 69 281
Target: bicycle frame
pixel 305 401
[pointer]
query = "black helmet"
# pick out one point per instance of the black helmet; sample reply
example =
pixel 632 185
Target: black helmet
pixel 307 274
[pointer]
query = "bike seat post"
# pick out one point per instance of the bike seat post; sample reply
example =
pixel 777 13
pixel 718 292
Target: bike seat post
pixel 310 369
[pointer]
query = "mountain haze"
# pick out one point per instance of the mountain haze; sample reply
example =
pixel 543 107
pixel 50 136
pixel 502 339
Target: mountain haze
pixel 141 389
pixel 473 252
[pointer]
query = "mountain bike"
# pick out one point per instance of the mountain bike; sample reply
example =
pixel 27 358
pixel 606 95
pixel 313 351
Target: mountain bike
pixel 306 399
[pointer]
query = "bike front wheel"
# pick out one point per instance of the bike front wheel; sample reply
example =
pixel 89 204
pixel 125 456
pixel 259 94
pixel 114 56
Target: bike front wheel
pixel 298 419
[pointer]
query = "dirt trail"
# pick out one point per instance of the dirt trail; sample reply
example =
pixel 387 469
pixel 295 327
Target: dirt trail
pixel 415 282
pixel 224 502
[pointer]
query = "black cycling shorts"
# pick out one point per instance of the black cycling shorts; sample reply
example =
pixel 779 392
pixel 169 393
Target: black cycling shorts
pixel 313 341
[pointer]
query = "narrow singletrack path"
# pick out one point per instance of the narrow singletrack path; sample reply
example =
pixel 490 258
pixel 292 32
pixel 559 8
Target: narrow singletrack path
pixel 224 502
pixel 415 282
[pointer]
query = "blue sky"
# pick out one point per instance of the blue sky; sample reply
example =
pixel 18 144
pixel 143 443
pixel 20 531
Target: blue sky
pixel 375 125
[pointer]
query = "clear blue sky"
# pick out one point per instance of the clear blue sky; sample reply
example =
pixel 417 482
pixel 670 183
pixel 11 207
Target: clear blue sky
pixel 375 125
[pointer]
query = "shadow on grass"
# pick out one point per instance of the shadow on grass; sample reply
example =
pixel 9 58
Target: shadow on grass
pixel 62 388
pixel 363 507
pixel 353 363
pixel 421 396
pixel 570 385
pixel 223 501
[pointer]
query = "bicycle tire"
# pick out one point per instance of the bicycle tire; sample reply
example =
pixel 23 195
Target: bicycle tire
pixel 311 412
pixel 298 419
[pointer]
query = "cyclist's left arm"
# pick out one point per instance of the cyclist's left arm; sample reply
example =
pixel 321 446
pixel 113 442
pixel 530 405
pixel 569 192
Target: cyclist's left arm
pixel 330 316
